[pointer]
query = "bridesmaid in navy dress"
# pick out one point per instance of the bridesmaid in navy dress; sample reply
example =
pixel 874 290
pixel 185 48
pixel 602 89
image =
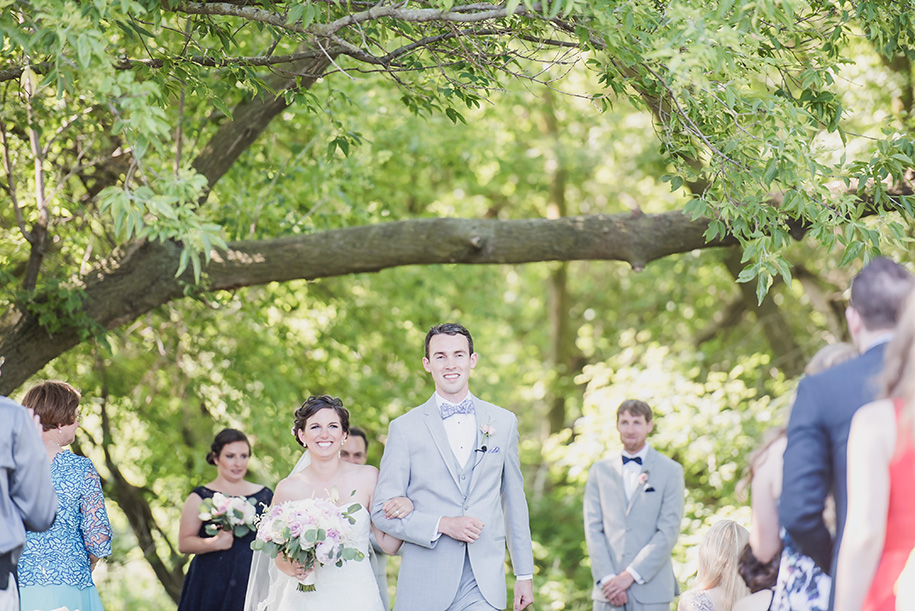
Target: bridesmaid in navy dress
pixel 218 575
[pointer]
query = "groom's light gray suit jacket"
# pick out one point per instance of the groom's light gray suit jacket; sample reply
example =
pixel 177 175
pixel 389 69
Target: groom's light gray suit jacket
pixel 418 463
pixel 640 533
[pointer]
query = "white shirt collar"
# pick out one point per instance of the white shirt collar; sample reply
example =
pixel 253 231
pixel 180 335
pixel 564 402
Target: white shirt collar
pixel 880 339
pixel 439 399
pixel 641 453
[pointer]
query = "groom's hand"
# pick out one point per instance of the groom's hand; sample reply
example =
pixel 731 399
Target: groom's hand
pixel 524 593
pixel 464 528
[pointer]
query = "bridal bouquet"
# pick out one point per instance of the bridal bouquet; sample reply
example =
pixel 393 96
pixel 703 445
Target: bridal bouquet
pixel 314 532
pixel 230 513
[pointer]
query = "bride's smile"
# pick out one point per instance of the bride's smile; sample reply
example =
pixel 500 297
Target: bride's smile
pixel 323 433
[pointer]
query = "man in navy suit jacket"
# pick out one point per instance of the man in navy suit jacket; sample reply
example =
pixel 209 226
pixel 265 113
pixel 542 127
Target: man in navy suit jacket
pixel 815 458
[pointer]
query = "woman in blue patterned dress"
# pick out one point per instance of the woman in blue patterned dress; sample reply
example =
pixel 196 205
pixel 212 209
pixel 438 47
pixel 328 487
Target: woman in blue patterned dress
pixel 218 576
pixel 55 570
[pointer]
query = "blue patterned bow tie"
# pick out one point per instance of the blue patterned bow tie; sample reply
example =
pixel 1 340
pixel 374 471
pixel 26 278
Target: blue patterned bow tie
pixel 464 407
pixel 636 459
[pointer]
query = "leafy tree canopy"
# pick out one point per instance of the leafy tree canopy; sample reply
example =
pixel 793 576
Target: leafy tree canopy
pixel 121 118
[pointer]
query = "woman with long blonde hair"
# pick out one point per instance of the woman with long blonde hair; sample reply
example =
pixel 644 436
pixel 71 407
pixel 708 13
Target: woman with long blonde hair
pixel 880 528
pixel 718 584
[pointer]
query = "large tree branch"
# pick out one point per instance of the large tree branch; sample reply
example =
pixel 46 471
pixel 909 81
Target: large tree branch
pixel 461 14
pixel 142 277
pixel 126 63
pixel 251 118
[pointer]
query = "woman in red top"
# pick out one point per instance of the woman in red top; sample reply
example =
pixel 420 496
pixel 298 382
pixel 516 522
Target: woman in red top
pixel 880 529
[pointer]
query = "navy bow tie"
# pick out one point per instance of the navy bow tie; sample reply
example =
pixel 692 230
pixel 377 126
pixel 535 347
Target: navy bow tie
pixel 464 407
pixel 636 459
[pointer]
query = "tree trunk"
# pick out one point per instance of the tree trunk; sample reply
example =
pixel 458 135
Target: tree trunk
pixel 560 356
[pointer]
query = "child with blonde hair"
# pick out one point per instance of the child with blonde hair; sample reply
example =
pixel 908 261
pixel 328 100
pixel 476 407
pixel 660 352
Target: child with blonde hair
pixel 718 584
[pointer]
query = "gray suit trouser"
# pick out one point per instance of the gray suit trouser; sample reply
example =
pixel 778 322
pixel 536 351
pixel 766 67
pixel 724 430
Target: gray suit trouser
pixel 469 597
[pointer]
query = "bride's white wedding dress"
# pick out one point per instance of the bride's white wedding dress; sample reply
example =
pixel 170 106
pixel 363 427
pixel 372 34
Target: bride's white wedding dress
pixel 351 587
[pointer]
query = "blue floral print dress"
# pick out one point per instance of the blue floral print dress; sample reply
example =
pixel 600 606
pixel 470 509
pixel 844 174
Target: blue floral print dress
pixel 54 568
pixel 802 585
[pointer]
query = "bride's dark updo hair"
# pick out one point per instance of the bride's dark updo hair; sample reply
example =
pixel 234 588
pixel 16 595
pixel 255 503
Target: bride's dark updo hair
pixel 312 406
pixel 224 438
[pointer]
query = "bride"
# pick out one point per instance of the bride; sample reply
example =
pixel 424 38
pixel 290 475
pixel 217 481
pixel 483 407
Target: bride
pixel 321 426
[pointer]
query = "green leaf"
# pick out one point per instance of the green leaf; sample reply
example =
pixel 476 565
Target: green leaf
pixel 295 13
pixel 511 6
pixel 454 115
pixel 762 287
pixel 852 252
pixel 183 260
pixel 310 13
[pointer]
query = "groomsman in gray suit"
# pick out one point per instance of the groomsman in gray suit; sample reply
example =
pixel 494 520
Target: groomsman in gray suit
pixel 633 508
pixel 355 450
pixel 456 458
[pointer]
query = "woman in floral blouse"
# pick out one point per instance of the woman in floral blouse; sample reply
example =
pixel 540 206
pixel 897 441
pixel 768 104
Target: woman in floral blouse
pixel 55 569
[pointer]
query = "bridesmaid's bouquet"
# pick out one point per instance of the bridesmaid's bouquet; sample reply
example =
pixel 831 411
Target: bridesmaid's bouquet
pixel 313 532
pixel 230 513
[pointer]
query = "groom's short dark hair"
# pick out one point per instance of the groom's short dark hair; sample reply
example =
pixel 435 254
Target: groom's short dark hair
pixel 449 328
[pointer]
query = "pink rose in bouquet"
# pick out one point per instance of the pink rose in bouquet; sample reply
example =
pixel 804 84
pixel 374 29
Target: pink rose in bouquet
pixel 313 532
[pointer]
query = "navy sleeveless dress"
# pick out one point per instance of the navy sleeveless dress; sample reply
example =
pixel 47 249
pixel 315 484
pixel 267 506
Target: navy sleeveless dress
pixel 217 581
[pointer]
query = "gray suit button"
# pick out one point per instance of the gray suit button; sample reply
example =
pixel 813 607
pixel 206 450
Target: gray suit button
pixel 463 477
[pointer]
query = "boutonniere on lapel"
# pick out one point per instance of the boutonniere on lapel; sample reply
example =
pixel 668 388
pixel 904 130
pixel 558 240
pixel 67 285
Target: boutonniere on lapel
pixel 487 431
pixel 643 481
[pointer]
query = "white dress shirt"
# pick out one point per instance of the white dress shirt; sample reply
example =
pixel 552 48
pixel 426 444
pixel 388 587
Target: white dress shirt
pixel 461 430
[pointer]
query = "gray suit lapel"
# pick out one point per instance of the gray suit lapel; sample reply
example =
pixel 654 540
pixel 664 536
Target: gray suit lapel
pixel 483 416
pixel 646 471
pixel 433 419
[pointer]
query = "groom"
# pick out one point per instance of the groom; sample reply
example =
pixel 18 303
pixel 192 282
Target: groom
pixel 456 458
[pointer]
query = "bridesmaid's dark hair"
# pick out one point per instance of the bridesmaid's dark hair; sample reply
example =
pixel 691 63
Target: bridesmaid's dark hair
pixel 312 406
pixel 224 438
pixel 756 575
